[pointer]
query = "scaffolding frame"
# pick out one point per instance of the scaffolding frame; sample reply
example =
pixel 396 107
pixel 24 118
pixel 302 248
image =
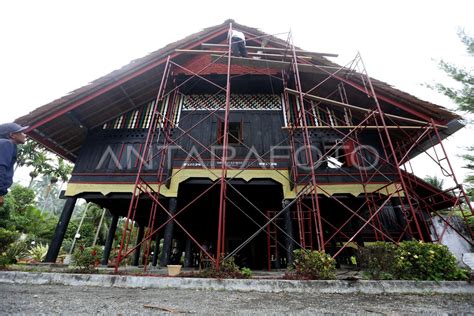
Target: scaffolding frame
pixel 308 191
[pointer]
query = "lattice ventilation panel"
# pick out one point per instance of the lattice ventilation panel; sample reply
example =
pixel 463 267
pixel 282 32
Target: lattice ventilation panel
pixel 141 117
pixel 237 102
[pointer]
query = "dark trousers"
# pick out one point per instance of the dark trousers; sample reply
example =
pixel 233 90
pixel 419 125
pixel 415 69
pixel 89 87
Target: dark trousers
pixel 238 47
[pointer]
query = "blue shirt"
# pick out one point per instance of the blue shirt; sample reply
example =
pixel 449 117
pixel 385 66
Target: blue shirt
pixel 8 152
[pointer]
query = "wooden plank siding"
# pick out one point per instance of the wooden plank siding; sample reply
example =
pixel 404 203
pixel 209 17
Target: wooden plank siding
pixel 110 155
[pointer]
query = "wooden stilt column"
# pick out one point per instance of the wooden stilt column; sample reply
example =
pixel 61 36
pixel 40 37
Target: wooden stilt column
pixel 188 254
pixel 289 244
pixel 154 261
pixel 110 240
pixel 60 231
pixel 168 238
pixel 136 255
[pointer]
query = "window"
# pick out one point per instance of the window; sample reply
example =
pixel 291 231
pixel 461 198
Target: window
pixel 235 132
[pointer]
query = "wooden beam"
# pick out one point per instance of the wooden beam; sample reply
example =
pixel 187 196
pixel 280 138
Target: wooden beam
pixel 362 127
pixel 356 108
pixel 72 116
pixel 51 145
pixel 197 51
pixel 274 49
pixel 128 96
pixel 275 64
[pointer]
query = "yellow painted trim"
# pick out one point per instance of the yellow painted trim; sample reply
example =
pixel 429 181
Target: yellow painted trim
pixel 181 175
pixel 103 188
pixel 280 176
pixel 356 189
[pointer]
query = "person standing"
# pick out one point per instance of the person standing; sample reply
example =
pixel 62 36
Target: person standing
pixel 11 135
pixel 237 40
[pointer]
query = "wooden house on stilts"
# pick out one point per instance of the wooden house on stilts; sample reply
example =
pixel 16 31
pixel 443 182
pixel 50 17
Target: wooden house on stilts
pixel 249 158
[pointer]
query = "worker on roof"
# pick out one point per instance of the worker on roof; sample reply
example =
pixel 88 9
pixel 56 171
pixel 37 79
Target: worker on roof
pixel 11 134
pixel 237 40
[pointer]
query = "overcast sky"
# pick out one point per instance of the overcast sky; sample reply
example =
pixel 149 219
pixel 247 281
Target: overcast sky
pixel 49 48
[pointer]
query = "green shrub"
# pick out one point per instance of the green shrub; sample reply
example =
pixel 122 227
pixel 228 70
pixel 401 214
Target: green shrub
pixel 18 250
pixel 411 260
pixel 66 245
pixel 246 273
pixel 377 260
pixel 311 264
pixel 87 258
pixel 38 252
pixel 425 261
pixel 228 269
pixel 6 239
pixel 4 260
pixel 21 197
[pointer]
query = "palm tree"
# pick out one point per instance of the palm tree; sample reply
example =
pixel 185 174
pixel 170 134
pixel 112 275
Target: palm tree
pixel 61 170
pixel 40 163
pixel 46 193
pixel 469 181
pixel 434 181
pixel 97 217
pixel 25 153
pixel 93 222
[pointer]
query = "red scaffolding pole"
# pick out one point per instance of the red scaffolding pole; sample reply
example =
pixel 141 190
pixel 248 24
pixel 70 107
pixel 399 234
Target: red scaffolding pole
pixel 305 116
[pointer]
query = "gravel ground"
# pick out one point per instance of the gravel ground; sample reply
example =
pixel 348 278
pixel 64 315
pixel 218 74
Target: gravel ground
pixel 54 299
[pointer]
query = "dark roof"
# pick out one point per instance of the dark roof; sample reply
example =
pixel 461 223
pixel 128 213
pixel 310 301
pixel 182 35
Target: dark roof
pixel 62 124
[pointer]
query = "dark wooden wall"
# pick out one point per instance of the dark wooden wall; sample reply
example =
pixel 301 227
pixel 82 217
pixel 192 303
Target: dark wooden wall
pixel 110 155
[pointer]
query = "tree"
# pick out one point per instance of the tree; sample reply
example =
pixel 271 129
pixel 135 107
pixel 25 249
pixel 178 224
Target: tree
pixel 89 227
pixel 51 167
pixel 94 216
pixel 25 217
pixel 60 170
pixel 434 181
pixel 26 153
pixel 39 226
pixel 40 163
pixel 470 178
pixel 47 195
pixel 22 198
pixel 462 96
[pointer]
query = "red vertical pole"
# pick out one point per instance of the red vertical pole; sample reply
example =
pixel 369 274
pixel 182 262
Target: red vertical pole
pixel 225 142
pixel 269 253
pixel 134 199
pixel 370 199
pixel 306 137
pixel 291 131
pixel 451 170
pixel 392 149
